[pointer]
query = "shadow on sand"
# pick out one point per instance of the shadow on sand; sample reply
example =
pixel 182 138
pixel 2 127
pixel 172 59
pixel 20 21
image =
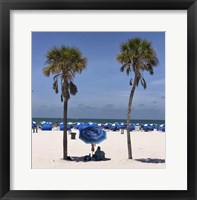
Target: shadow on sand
pixel 78 158
pixel 75 158
pixel 151 160
pixel 81 159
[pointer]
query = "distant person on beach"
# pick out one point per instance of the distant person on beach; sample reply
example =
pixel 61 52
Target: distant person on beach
pixel 99 155
pixel 35 128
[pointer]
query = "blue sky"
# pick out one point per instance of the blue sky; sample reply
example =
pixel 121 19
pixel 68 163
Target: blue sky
pixel 103 91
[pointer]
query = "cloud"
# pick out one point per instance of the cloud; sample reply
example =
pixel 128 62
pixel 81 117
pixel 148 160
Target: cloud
pixel 47 111
pixel 108 106
pixel 124 93
pixel 158 82
pixel 111 105
pixel 81 104
pixel 43 106
pixel 106 111
pixel 111 111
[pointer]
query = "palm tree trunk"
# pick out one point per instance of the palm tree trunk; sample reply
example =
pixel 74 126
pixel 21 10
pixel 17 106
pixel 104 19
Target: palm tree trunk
pixel 65 137
pixel 129 117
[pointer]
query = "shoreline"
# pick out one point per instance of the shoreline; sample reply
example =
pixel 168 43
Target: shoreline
pixel 86 120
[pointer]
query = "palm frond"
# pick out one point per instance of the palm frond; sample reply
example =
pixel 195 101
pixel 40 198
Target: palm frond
pixel 122 68
pixel 128 70
pixel 130 83
pixel 143 82
pixel 80 65
pixel 55 84
pixel 64 62
pixel 46 71
pixel 137 55
pixel 56 90
pixel 56 76
pixel 73 88
pixel 62 98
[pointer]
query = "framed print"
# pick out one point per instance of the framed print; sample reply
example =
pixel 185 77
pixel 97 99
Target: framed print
pixel 98 99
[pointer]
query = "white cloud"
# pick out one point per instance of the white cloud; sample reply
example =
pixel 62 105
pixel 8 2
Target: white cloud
pixel 158 82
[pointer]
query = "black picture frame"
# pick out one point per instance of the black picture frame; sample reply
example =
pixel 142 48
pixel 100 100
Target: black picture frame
pixel 7 5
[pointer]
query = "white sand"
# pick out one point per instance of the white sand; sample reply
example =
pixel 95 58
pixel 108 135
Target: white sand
pixel 148 151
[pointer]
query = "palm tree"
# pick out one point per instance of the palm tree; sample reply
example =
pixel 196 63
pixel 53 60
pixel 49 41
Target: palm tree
pixel 63 64
pixel 136 55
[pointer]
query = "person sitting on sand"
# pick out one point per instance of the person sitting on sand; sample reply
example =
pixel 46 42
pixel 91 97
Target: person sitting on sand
pixel 99 155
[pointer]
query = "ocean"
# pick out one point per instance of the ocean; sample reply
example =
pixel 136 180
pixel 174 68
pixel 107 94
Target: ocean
pixel 134 121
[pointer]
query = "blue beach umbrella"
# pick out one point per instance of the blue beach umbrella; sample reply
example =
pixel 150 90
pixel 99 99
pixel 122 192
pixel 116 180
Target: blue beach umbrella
pixel 99 125
pixel 107 125
pixel 77 124
pixel 113 127
pixel 62 126
pixel 145 127
pixel 132 127
pixel 161 128
pixel 151 127
pixel 122 125
pixel 92 135
pixel 46 126
pixel 34 124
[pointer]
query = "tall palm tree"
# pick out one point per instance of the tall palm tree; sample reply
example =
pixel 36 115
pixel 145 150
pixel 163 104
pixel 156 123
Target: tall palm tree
pixel 136 55
pixel 63 63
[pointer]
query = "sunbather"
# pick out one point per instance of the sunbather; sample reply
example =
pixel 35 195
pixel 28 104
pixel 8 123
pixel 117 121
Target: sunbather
pixel 99 155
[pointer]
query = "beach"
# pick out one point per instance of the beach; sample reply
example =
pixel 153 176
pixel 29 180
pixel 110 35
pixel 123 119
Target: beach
pixel 148 151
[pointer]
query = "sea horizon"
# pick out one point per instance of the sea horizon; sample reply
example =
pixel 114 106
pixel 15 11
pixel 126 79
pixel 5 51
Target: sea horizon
pixel 97 120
